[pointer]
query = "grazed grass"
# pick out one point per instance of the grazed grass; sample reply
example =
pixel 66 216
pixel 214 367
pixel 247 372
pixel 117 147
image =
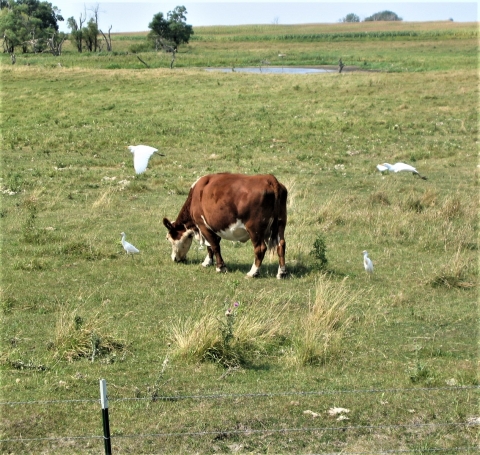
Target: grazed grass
pixel 68 190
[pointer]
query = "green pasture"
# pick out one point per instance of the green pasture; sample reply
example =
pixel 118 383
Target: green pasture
pixel 412 47
pixel 398 349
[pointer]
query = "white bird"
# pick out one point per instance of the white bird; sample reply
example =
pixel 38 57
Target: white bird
pixel 128 247
pixel 399 167
pixel 141 155
pixel 367 263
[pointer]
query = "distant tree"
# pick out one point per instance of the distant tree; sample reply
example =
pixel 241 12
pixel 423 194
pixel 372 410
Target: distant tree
pixel 108 39
pixel 172 31
pixel 76 34
pixel 179 29
pixel 351 18
pixel 383 16
pixel 159 30
pixel 90 35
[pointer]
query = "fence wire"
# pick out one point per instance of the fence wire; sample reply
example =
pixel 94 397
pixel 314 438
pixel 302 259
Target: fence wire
pixel 251 431
pixel 244 395
pixel 266 431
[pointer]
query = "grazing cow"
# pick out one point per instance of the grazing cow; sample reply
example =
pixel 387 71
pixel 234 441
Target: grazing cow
pixel 233 207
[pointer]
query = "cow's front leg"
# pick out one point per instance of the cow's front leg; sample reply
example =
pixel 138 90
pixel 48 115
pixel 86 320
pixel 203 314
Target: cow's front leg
pixel 221 268
pixel 259 250
pixel 214 250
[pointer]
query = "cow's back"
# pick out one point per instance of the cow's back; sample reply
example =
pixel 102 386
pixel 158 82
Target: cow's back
pixel 222 199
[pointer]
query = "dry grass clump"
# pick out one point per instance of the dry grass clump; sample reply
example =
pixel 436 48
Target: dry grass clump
pixel 333 212
pixel 230 335
pixel 324 326
pixel 77 337
pixel 451 208
pixel 379 198
pixel 454 274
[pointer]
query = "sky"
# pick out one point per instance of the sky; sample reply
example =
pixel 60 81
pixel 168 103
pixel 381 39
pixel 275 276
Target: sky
pixel 131 16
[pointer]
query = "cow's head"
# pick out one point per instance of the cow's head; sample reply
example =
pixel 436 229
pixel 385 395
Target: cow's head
pixel 181 239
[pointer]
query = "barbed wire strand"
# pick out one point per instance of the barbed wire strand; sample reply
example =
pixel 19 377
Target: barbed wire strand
pixel 296 430
pixel 383 452
pixel 251 431
pixel 247 395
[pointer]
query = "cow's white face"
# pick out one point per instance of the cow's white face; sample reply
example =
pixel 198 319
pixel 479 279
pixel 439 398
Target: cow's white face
pixel 181 246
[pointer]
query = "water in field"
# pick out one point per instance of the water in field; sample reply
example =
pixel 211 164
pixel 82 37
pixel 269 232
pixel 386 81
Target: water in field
pixel 273 70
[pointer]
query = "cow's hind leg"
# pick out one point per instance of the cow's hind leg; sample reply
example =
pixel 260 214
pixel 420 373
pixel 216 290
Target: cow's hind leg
pixel 282 272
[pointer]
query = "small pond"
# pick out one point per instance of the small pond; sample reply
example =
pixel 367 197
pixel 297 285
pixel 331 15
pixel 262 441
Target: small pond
pixel 273 70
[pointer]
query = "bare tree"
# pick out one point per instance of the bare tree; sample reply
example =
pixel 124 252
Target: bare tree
pixel 96 11
pixel 55 43
pixel 108 40
pixel 77 29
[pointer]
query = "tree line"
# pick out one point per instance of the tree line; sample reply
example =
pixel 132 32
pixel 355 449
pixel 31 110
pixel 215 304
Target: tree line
pixel 381 16
pixel 32 26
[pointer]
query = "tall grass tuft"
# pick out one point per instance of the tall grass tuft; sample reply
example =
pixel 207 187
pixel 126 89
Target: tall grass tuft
pixel 325 324
pixel 454 273
pixel 79 337
pixel 230 336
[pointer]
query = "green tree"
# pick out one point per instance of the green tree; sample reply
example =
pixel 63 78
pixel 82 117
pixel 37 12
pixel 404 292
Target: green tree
pixel 170 31
pixel 383 16
pixel 76 33
pixel 351 18
pixel 90 35
pixel 28 23
pixel 180 31
pixel 159 30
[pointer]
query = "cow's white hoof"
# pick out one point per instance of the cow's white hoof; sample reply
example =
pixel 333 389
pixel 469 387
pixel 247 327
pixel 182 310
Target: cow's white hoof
pixel 221 269
pixel 281 273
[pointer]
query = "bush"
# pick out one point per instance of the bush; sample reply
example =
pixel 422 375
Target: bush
pixel 136 48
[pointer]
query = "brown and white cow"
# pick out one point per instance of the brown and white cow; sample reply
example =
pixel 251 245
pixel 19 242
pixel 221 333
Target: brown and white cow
pixel 234 207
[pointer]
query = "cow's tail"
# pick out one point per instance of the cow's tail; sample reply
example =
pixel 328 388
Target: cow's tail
pixel 278 217
pixel 272 242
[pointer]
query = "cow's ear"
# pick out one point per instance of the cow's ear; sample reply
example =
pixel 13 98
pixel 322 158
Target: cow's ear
pixel 168 224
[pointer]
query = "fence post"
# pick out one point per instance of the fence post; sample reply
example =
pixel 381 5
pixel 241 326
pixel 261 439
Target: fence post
pixel 106 423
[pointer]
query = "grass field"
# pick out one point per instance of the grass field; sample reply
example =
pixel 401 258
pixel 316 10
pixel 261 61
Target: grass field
pixel 399 349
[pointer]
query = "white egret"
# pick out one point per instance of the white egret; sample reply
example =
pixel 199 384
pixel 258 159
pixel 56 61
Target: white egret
pixel 367 263
pixel 399 167
pixel 128 247
pixel 141 155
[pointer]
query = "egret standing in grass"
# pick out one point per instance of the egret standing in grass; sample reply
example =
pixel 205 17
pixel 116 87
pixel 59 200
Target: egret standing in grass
pixel 399 167
pixel 367 263
pixel 141 155
pixel 128 247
